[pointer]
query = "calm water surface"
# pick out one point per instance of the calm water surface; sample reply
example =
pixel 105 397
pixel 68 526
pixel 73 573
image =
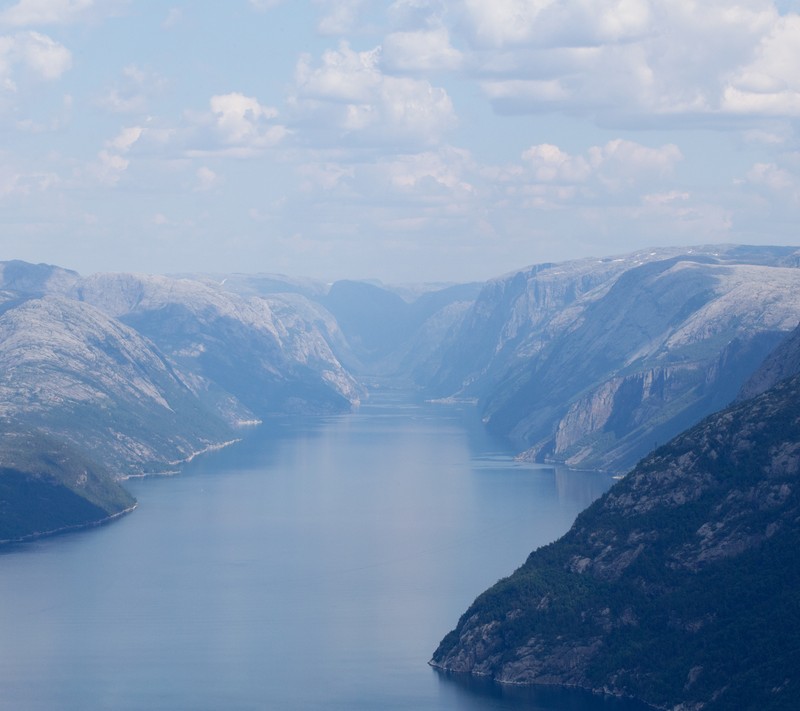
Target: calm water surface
pixel 316 565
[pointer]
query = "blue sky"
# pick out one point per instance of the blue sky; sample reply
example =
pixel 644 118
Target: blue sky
pixel 415 140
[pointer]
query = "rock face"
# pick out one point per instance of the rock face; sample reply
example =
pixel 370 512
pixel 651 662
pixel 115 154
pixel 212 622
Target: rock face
pixel 678 587
pixel 71 372
pixel 782 363
pixel 595 362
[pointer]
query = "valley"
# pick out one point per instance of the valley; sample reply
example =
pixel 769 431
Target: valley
pixel 595 364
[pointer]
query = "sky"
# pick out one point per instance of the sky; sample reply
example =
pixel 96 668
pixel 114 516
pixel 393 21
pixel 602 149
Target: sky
pixel 408 141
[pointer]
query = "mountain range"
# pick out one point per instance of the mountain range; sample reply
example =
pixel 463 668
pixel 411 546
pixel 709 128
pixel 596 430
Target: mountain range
pixel 591 362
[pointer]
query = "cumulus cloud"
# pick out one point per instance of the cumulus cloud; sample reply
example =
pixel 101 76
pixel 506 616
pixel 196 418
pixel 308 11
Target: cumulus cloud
pixel 550 164
pixel 235 125
pixel 617 164
pixel 622 59
pixel 348 92
pixel 770 84
pixel 242 121
pixel 39 54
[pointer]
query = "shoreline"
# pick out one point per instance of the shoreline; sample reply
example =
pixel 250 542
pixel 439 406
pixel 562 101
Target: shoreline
pixel 67 529
pixel 518 684
pixel 178 462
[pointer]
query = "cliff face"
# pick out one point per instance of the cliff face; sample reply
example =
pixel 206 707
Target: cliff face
pixel 593 363
pixel 677 587
pixel 73 373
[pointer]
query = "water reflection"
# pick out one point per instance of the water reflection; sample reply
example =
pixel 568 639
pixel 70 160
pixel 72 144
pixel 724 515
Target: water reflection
pixel 483 694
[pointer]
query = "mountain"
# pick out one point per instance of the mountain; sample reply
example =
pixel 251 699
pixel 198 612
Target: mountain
pixel 394 335
pixel 270 354
pixel 677 587
pixel 782 363
pixel 594 362
pixel 71 372
pixel 47 486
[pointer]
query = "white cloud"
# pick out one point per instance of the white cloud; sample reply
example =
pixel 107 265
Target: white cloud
pixel 236 125
pixel 111 160
pixel 40 12
pixel 550 164
pixel 126 138
pixel 38 53
pixel 348 92
pixel 445 169
pixel 339 17
pixel 615 165
pixel 770 84
pixel 420 51
pixel 242 121
pixel 629 59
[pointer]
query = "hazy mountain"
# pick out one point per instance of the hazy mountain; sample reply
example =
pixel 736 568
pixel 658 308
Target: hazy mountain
pixel 594 362
pixel 395 335
pixel 270 354
pixel 27 279
pixel 678 587
pixel 72 372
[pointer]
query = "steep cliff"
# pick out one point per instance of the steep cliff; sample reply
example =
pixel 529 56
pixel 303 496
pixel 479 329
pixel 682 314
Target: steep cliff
pixel 678 587
pixel 595 362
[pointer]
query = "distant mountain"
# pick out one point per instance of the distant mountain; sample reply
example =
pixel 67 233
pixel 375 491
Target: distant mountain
pixel 678 587
pixel 595 362
pixel 392 335
pixel 270 354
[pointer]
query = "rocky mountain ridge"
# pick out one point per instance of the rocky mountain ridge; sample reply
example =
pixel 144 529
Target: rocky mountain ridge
pixel 677 587
pixel 594 362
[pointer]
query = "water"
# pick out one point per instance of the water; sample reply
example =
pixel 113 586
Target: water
pixel 316 565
